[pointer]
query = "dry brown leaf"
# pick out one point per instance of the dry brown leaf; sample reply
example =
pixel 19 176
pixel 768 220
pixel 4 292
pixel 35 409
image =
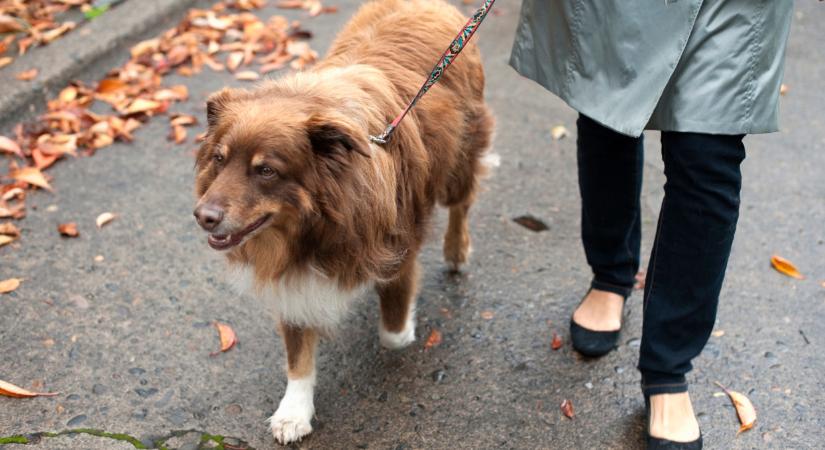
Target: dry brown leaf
pixel 10 390
pixel 718 333
pixel 184 120
pixel 68 229
pixel 783 89
pixel 433 340
pixel 178 134
pixel 68 94
pixel 55 33
pixel 42 161
pixel 4 239
pixel 111 85
pixel 9 146
pixel 27 75
pixel 9 285
pixel 744 408
pixel 9 229
pixel 556 343
pixel 234 60
pixel 227 335
pixel 9 24
pixel 487 315
pixel 142 105
pixel 785 267
pixel 567 408
pixel 558 132
pixel 247 75
pixel 104 219
pixel 31 175
pixel 5 61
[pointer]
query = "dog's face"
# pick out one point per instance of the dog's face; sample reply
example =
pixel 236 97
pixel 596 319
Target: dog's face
pixel 266 162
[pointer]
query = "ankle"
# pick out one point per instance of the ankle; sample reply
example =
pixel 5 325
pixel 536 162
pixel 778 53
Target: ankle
pixel 672 418
pixel 600 311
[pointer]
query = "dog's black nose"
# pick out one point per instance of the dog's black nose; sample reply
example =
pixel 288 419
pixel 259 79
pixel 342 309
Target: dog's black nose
pixel 208 216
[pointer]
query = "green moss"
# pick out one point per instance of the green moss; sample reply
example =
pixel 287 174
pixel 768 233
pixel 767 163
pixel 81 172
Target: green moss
pixel 13 440
pixel 160 444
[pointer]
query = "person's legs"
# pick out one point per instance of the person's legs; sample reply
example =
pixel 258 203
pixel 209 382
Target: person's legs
pixel 610 178
pixel 687 265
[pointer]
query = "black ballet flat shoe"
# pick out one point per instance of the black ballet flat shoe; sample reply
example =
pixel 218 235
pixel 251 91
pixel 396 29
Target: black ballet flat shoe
pixel 593 343
pixel 654 443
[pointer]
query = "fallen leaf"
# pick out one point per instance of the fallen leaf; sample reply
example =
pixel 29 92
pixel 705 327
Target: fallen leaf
pixel 6 239
pixel 5 61
pixel 178 134
pixel 9 229
pixel 785 267
pixel 27 75
pixel 9 146
pixel 531 223
pixel 142 105
pixel 9 24
pixel 234 60
pixel 744 408
pixel 104 219
pixel 227 335
pixel 783 89
pixel 556 343
pixel 558 132
pixel 567 408
pixel 184 120
pixel 10 390
pixel 9 285
pixel 31 175
pixel 433 340
pixel 68 94
pixel 487 315
pixel 110 85
pixel 247 75
pixel 68 229
pixel 718 333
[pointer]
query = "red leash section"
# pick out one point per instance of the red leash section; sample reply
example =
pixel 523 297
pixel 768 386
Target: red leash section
pixel 447 58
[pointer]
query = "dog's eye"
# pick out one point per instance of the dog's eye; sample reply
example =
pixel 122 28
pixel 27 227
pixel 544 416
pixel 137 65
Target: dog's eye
pixel 218 158
pixel 265 171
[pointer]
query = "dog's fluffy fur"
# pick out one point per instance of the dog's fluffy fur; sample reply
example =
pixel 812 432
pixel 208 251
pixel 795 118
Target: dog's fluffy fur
pixel 313 213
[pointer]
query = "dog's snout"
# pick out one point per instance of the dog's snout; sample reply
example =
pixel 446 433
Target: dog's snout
pixel 208 216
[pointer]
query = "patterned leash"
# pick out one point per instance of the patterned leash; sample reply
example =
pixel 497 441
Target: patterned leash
pixel 447 58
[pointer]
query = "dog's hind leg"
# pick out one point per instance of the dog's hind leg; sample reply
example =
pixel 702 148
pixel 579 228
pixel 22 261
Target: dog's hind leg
pixel 457 239
pixel 397 329
pixel 463 185
pixel 292 420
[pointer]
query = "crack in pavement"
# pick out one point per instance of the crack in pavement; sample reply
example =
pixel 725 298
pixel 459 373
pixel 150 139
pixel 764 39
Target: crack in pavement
pixel 205 440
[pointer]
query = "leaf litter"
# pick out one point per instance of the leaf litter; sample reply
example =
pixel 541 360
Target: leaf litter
pixel 9 390
pixel 227 337
pixel 225 36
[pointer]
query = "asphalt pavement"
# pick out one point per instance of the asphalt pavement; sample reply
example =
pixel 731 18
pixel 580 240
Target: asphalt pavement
pixel 126 339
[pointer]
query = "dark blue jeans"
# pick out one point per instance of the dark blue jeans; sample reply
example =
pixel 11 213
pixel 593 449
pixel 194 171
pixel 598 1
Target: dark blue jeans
pixel 693 237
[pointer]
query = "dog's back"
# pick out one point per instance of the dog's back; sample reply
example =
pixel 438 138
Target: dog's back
pixel 404 39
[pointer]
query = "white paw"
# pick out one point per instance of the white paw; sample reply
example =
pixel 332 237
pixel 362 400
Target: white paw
pixel 288 429
pixel 395 341
pixel 292 420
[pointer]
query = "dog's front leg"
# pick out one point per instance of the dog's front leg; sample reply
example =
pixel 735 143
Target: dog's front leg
pixel 292 420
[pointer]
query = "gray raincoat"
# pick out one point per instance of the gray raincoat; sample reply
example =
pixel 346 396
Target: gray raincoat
pixel 712 66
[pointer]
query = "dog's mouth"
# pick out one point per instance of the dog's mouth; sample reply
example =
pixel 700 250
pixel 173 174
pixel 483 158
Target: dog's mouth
pixel 227 241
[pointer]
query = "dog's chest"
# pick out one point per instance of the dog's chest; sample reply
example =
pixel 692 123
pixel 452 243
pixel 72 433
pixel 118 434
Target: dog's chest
pixel 309 299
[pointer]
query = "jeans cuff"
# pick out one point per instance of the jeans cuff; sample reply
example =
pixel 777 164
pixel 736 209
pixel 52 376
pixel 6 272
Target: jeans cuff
pixel 624 291
pixel 654 383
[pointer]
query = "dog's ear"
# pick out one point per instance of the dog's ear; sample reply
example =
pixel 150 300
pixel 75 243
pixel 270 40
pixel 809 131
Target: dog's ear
pixel 216 105
pixel 334 136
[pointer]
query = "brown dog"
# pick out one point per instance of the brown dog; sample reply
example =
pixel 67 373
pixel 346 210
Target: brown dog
pixel 311 213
